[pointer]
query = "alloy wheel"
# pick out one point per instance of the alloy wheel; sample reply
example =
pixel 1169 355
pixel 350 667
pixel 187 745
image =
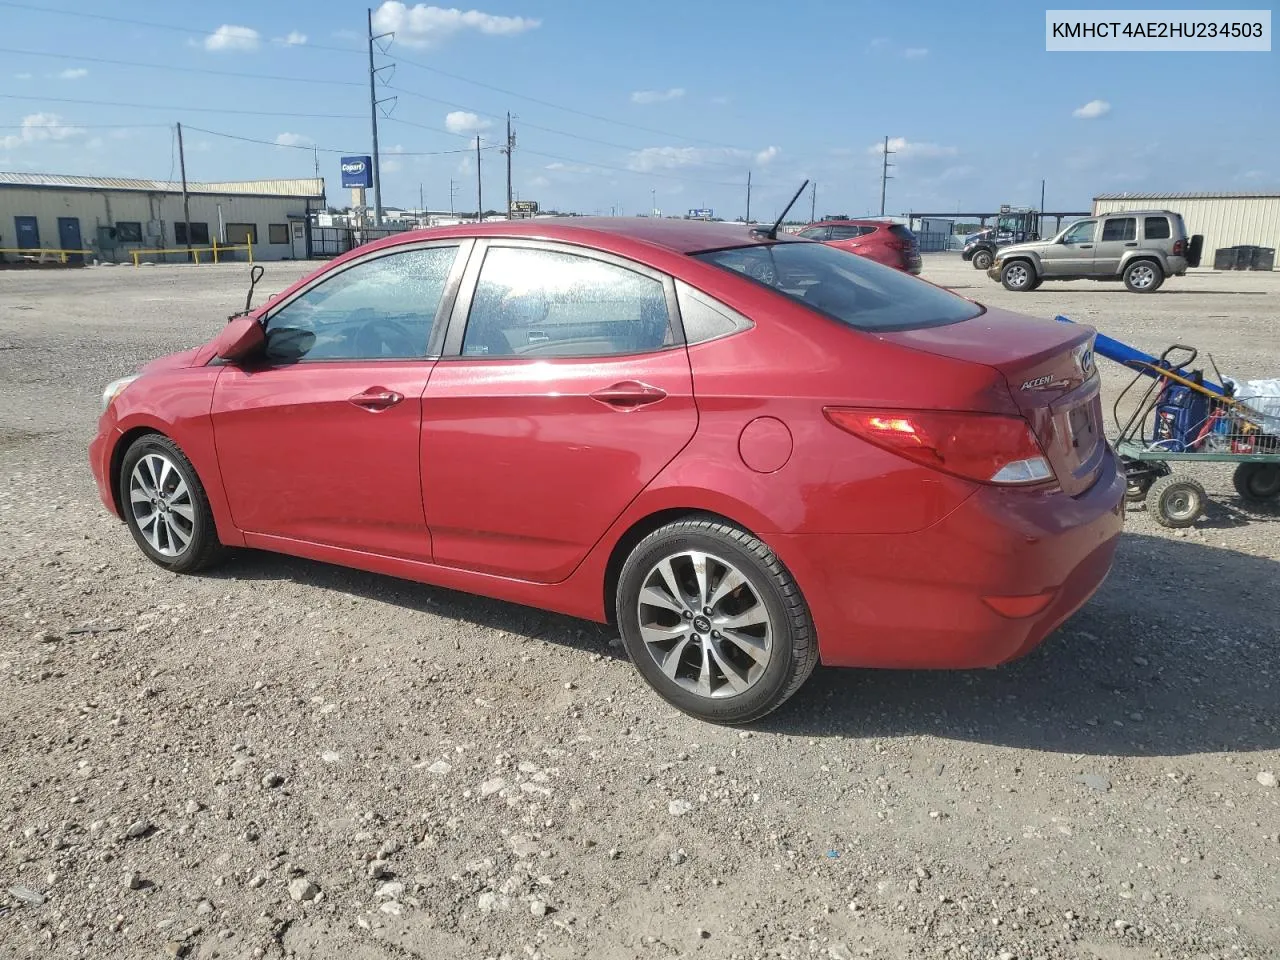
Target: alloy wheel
pixel 1142 276
pixel 1017 275
pixel 161 505
pixel 704 624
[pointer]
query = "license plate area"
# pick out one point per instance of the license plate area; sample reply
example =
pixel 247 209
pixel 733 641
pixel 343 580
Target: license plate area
pixel 1081 429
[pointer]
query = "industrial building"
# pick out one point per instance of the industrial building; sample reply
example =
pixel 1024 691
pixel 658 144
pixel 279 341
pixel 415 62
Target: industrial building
pixel 1223 219
pixel 108 218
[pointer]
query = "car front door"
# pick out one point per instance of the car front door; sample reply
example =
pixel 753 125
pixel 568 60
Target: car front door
pixel 564 388
pixel 1119 235
pixel 1071 254
pixel 318 439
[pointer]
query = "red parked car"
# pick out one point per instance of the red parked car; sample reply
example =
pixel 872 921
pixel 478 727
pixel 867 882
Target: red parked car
pixel 750 453
pixel 889 243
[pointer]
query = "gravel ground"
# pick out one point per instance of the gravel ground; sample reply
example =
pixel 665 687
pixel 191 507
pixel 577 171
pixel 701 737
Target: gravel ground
pixel 288 758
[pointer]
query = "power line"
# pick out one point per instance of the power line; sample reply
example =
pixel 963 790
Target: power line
pixel 183 108
pixel 628 170
pixel 85 126
pixel 305 146
pixel 190 31
pixel 177 69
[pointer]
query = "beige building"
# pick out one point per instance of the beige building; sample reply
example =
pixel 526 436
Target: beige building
pixel 110 217
pixel 1223 219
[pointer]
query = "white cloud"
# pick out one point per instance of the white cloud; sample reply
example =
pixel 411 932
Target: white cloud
pixel 293 140
pixel 230 37
pixel 557 166
pixel 720 101
pixel 913 149
pixel 465 122
pixel 22 76
pixel 765 156
pixel 657 96
pixel 425 26
pixel 39 128
pixel 294 38
pixel 915 53
pixel 1092 110
pixel 540 182
pixel 73 73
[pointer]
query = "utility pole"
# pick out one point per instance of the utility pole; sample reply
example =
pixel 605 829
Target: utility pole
pixel 453 192
pixel 884 173
pixel 653 201
pixel 813 202
pixel 479 195
pixel 1040 214
pixel 748 216
pixel 373 116
pixel 186 208
pixel 422 210
pixel 511 143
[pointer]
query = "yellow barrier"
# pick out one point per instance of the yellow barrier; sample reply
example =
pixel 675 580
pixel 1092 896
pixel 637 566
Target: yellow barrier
pixel 43 252
pixel 216 249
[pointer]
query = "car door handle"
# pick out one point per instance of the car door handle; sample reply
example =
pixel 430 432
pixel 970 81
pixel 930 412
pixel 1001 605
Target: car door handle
pixel 1131 244
pixel 1086 246
pixel 377 398
pixel 628 395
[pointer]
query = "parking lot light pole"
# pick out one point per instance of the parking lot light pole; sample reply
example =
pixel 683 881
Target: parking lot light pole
pixel 186 208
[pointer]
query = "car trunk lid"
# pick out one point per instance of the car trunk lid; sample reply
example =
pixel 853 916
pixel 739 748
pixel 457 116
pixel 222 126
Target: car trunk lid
pixel 1050 373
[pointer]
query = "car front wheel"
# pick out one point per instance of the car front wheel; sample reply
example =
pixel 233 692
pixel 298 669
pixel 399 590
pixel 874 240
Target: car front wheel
pixel 165 506
pixel 982 260
pixel 1018 276
pixel 714 621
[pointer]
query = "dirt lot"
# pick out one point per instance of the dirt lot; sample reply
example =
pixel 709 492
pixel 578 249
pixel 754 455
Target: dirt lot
pixel 290 758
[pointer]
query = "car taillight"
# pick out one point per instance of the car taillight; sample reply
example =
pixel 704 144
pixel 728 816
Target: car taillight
pixel 988 448
pixel 1177 248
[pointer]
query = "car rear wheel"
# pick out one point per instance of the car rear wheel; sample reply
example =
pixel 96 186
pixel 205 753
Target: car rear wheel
pixel 1258 483
pixel 714 621
pixel 1143 276
pixel 1018 276
pixel 982 260
pixel 165 506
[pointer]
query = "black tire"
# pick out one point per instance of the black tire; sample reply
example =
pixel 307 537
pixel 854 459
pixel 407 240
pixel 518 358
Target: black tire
pixel 794 649
pixel 1258 483
pixel 1136 489
pixel 1035 284
pixel 981 260
pixel 202 548
pixel 1143 276
pixel 1176 501
pixel 1018 276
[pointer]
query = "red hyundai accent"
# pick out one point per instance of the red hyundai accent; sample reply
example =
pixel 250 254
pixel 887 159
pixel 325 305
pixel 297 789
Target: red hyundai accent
pixel 749 453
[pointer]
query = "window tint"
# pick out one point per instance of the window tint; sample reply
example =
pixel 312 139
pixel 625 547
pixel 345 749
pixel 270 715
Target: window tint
pixel 849 233
pixel 1081 232
pixel 128 231
pixel 199 232
pixel 241 233
pixel 1156 228
pixel 845 286
pixel 278 233
pixel 815 233
pixel 541 303
pixel 1120 228
pixel 376 310
pixel 706 318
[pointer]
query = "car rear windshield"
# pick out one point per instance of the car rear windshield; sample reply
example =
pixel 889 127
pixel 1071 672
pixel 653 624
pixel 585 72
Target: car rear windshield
pixel 902 233
pixel 844 286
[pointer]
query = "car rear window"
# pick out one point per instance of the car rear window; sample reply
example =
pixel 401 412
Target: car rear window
pixel 902 233
pixel 846 287
pixel 1155 228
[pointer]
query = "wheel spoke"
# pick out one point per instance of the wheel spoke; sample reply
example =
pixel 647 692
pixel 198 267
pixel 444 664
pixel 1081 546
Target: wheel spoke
pixel 704 674
pixel 652 634
pixel 699 562
pixel 165 469
pixel 670 663
pixel 753 616
pixel 667 572
pixel 180 491
pixel 737 682
pixel 653 597
pixel 148 466
pixel 138 493
pixel 754 647
pixel 178 538
pixel 730 582
pixel 184 510
pixel 151 529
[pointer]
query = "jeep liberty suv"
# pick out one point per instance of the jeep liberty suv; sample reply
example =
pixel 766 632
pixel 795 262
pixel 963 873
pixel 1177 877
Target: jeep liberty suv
pixel 1140 247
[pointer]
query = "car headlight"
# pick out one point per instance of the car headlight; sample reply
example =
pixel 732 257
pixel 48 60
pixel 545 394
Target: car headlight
pixel 114 389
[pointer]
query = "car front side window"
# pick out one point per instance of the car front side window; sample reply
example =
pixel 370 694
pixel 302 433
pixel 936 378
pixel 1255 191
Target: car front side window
pixel 378 309
pixel 1081 232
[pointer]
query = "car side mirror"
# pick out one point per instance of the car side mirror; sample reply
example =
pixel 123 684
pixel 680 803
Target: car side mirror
pixel 239 339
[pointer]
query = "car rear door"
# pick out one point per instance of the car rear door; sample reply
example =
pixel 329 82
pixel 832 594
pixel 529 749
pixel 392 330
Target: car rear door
pixel 1119 236
pixel 564 389
pixel 318 440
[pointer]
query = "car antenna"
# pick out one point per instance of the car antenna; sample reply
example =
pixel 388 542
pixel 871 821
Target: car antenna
pixel 255 274
pixel 772 232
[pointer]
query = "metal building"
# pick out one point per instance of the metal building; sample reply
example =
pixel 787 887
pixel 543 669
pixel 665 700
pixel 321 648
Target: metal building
pixel 1224 219
pixel 110 217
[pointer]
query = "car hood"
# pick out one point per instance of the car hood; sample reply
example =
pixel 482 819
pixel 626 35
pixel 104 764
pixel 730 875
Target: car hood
pixel 173 361
pixel 1031 246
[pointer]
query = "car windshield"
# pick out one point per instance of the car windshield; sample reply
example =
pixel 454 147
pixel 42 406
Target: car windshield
pixel 849 288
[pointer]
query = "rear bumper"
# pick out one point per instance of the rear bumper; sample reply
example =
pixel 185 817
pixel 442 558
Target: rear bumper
pixel 917 600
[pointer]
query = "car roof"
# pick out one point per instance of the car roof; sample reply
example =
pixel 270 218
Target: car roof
pixel 845 223
pixel 1135 213
pixel 680 236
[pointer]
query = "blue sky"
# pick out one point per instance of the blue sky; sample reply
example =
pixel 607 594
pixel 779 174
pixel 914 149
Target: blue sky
pixel 625 104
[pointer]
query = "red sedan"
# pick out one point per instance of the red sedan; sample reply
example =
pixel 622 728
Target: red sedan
pixel 889 243
pixel 749 453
